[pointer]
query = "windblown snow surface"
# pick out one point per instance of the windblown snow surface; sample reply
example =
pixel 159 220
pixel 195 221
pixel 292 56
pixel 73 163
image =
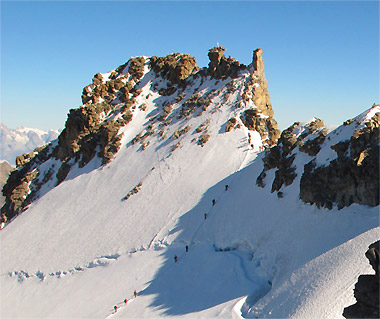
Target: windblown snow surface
pixel 81 249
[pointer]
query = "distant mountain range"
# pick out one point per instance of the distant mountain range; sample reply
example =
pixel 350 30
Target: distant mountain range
pixel 15 142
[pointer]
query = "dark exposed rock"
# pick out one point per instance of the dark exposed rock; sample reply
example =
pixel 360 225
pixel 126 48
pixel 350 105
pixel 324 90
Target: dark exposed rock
pixel 285 174
pixel 136 67
pixel 366 289
pixel 341 148
pixel 85 136
pixel 288 140
pixel 280 158
pixel 259 85
pixel 260 179
pixel 87 93
pixel 97 79
pixel 256 90
pixel 133 191
pixel 312 147
pixel 24 158
pixel 124 97
pixel 221 67
pixel 22 184
pixel 266 126
pixel 194 103
pixel 62 173
pixel 175 67
pixel 17 192
pixel 166 111
pixel 109 140
pixel 351 178
pixel 373 255
pixel 230 124
pixel 168 91
pixel 118 84
pixel 203 126
pixel 348 122
pixel 79 123
pixel 249 118
pixel 203 139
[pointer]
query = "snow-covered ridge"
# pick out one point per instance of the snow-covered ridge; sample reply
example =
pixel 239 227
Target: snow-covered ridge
pixel 149 101
pixel 15 142
pixel 180 182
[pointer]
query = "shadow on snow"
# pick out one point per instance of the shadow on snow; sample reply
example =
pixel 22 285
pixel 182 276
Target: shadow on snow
pixel 206 275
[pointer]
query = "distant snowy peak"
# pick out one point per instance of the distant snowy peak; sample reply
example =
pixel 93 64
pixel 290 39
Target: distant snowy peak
pixel 15 142
pixel 337 168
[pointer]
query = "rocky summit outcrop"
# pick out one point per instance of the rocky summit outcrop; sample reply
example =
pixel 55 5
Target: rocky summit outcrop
pixel 221 67
pixel 367 289
pixel 175 67
pixel 164 91
pixel 341 167
pixel 260 117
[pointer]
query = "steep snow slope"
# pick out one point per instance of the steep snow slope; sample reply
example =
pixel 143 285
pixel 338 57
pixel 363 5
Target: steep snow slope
pixel 105 231
pixel 172 183
pixel 14 142
pixel 254 256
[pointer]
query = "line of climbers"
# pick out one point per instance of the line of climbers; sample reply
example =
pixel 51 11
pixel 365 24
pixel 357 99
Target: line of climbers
pixel 175 257
pixel 125 301
pixel 206 215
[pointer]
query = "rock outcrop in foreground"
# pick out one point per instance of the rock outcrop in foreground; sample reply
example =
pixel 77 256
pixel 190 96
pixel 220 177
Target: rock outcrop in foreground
pixel 367 289
pixel 179 91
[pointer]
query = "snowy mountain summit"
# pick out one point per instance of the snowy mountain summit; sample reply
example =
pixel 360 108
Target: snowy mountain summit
pixel 173 181
pixel 159 102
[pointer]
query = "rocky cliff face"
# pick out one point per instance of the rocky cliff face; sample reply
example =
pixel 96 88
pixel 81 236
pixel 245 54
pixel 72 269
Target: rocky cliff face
pixel 367 289
pixel 353 177
pixel 281 156
pixel 179 91
pixel 341 168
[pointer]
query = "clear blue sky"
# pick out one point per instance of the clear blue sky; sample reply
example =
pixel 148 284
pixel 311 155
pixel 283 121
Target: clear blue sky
pixel 321 58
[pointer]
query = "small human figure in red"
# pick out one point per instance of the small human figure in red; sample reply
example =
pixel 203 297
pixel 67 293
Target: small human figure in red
pixel 213 202
pixel 115 308
pixel 135 293
pixel 125 301
pixel 175 258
